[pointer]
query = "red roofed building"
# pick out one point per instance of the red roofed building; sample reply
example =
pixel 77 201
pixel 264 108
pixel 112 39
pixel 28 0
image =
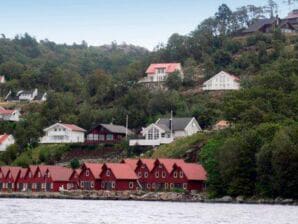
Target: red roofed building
pixel 119 177
pixel 9 115
pixel 20 182
pixel 159 72
pixel 63 133
pixel 90 176
pixel 56 178
pixel 5 141
pixel 10 175
pixel 74 178
pixel 188 176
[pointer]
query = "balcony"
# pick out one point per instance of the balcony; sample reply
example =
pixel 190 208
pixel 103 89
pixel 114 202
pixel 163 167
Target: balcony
pixel 150 142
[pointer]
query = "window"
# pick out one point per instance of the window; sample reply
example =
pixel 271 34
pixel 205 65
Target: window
pixel 150 134
pixel 130 185
pixel 156 133
pixel 175 174
pixel 139 174
pixel 171 185
pixel 87 173
pixel 113 185
pixel 160 70
pixel 166 186
pixel 108 173
pixel 101 137
pixel 148 185
pixel 39 175
pixel 92 184
pixel 184 186
pixel 110 137
pixel 146 174
pixel 82 184
pixel 55 129
pixel 181 174
pixel 52 185
pixel 157 174
pixel 43 185
pixel 102 185
pixel 163 174
pixel 153 185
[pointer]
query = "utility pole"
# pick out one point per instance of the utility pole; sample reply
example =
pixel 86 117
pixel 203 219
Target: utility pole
pixel 171 123
pixel 126 130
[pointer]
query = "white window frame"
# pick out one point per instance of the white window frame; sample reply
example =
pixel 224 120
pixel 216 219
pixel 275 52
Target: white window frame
pixel 156 174
pixel 181 175
pixel 175 174
pixel 92 184
pixel 163 174
pixel 87 173
pixel 108 173
pixel 146 174
pixel 130 185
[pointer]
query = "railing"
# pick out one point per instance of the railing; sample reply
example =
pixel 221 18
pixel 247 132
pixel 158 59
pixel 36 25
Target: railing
pixel 150 142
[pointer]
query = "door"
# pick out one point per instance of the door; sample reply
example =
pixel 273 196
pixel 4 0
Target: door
pixel 21 185
pixel 38 187
pixel 87 185
pixel 48 186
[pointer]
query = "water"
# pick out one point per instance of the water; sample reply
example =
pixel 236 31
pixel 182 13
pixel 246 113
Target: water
pixel 44 211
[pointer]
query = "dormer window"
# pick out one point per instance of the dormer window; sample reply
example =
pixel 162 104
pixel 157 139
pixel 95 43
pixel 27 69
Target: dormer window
pixel 181 174
pixel 87 173
pixel 146 174
pixel 157 174
pixel 160 70
pixel 163 174
pixel 175 174
pixel 108 173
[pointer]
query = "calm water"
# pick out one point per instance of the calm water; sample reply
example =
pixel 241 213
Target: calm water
pixel 41 211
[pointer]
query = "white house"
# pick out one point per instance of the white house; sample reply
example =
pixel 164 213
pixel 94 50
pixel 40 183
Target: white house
pixel 63 133
pixel 26 95
pixel 9 115
pixel 166 130
pixel 159 72
pixel 2 79
pixel 222 81
pixel 5 141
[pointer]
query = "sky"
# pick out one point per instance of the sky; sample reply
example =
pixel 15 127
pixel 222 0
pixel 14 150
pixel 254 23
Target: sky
pixel 145 23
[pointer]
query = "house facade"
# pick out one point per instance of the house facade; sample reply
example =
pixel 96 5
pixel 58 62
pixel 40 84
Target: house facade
pixel 89 176
pixel 107 134
pixel 9 115
pixel 63 133
pixel 166 130
pixel 222 81
pixel 26 95
pixel 158 73
pixel 5 141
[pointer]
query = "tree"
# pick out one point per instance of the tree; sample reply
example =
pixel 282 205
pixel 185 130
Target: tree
pixel 75 163
pixel 174 81
pixel 224 18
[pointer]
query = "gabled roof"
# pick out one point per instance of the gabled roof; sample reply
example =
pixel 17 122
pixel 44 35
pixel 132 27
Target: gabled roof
pixel 177 123
pixel 169 163
pixel 117 129
pixel 14 171
pixel 40 95
pixel 121 171
pixel 293 14
pixel 95 169
pixel 169 67
pixel 193 171
pixel 258 24
pixel 131 162
pixel 235 78
pixel 4 111
pixel 23 172
pixel 32 169
pixel 148 162
pixel 4 171
pixel 3 138
pixel 59 173
pixel 71 127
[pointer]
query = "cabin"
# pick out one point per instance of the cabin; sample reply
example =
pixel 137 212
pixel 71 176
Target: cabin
pixel 222 81
pixel 10 175
pixel 6 140
pixel 28 179
pixel 3 173
pixel 9 115
pixel 188 176
pixel 107 134
pixel 90 176
pixel 26 95
pixel 157 74
pixel 38 178
pixel 63 133
pixel 118 177
pixel 74 178
pixel 269 26
pixel 20 182
pixel 166 130
pixel 57 178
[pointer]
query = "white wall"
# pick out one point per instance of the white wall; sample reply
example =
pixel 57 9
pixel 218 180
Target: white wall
pixel 9 141
pixel 221 81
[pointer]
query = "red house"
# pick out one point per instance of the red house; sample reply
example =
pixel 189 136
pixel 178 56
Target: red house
pixel 28 178
pixel 189 176
pixel 90 176
pixel 10 176
pixel 119 177
pixel 38 178
pixel 106 133
pixel 56 178
pixel 74 178
pixel 3 173
pixel 20 182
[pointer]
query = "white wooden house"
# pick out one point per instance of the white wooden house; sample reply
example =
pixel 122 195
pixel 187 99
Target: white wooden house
pixel 63 133
pixel 222 81
pixel 26 95
pixel 9 115
pixel 166 130
pixel 157 73
pixel 5 141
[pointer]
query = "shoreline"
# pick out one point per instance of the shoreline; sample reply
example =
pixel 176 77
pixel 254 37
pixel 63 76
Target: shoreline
pixel 144 196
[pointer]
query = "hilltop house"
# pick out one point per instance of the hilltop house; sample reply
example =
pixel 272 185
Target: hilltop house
pixel 9 115
pixel 222 81
pixel 2 79
pixel 5 141
pixel 26 95
pixel 165 130
pixel 157 73
pixel 63 133
pixel 107 133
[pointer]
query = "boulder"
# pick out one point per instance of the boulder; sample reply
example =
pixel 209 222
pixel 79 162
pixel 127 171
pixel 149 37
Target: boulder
pixel 239 199
pixel 226 199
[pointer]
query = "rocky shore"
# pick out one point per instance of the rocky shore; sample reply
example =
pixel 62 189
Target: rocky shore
pixel 144 196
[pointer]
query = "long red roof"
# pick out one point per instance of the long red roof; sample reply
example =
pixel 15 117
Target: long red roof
pixel 169 67
pixel 122 171
pixel 169 163
pixel 194 171
pixel 73 127
pixel 4 111
pixel 131 162
pixel 59 173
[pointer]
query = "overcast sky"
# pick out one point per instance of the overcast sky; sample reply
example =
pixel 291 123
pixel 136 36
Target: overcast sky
pixel 141 22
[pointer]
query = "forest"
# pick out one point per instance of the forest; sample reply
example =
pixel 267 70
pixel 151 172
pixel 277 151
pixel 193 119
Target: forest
pixel 88 85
